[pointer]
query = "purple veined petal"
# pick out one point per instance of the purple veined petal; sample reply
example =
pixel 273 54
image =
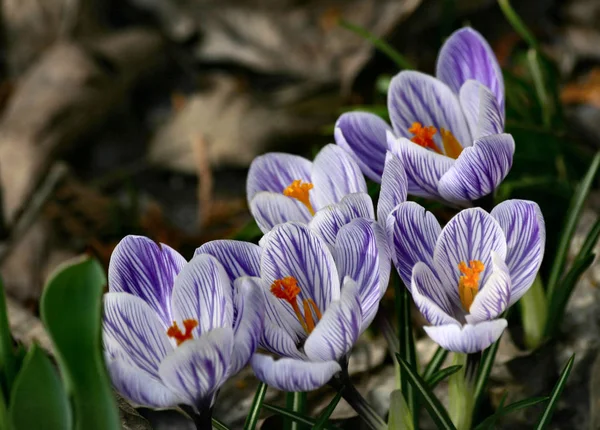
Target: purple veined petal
pixel 147 270
pixel 493 297
pixel 293 250
pixel 278 313
pixel 132 326
pixel 472 234
pixel 335 174
pixel 479 169
pixel 270 209
pixel 248 327
pixel 274 172
pixel 358 253
pixel 417 97
pixel 481 110
pixel 291 375
pixel 237 257
pixel 279 341
pixel 423 168
pixel 328 221
pixel 394 187
pixel 412 234
pixel 466 55
pixel 139 387
pixel 438 302
pixel 198 367
pixel 525 231
pixel 203 292
pixel 339 328
pixel 362 134
pixel 468 338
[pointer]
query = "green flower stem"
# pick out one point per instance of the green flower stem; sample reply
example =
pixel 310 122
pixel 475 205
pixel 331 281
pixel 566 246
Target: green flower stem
pixel 461 388
pixel 534 314
pixel 294 402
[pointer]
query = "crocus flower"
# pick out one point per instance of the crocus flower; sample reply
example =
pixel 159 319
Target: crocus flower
pixel 318 299
pixel 447 131
pixel 464 276
pixel 285 187
pixel 175 331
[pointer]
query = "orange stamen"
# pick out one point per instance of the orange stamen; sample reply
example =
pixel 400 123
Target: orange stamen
pixel 189 325
pixel 468 283
pixel 299 190
pixel 287 289
pixel 452 147
pixel 423 136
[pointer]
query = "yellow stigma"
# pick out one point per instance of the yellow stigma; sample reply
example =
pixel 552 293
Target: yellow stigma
pixel 299 190
pixel 287 289
pixel 468 283
pixel 452 147
pixel 423 136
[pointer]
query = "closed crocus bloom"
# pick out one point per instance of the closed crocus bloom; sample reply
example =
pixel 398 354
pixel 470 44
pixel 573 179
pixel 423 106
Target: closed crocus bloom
pixel 447 131
pixel 464 276
pixel 174 331
pixel 318 298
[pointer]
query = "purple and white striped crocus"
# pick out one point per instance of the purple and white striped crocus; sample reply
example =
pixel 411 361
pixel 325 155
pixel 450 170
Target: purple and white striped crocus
pixel 285 187
pixel 447 131
pixel 318 298
pixel 174 331
pixel 464 276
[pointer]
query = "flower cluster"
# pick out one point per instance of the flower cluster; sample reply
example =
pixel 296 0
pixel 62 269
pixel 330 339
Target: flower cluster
pixel 294 304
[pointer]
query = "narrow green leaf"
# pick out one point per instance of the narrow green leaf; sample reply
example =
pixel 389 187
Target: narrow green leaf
pixel 295 402
pixel 439 376
pixel 257 404
pixel 539 83
pixel 435 363
pixel 513 407
pixel 517 24
pixel 556 392
pixel 4 424
pixel 218 425
pixel 574 213
pixel 436 410
pixel 71 307
pixel 534 314
pixel 492 419
pixel 378 43
pixel 326 413
pixel 8 359
pixel 38 399
pixel 400 417
pixel 590 241
pixel 485 367
pixel 295 416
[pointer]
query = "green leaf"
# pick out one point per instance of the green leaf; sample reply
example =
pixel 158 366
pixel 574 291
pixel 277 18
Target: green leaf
pixel 590 241
pixel 71 308
pixel 513 407
pixel 435 363
pixel 295 416
pixel 436 410
pixel 38 399
pixel 248 233
pixel 439 376
pixel 326 413
pixel 8 359
pixel 295 402
pixel 485 367
pixel 556 392
pixel 517 24
pixel 257 404
pixel 219 425
pixel 534 314
pixel 400 416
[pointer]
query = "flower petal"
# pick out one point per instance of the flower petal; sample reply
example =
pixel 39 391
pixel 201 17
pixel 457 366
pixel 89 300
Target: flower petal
pixel 198 367
pixel 481 110
pixel 479 169
pixel 362 254
pixel 335 174
pixel 437 302
pixel 466 55
pixel 237 257
pixel 293 250
pixel 291 375
pixel 328 221
pixel 423 168
pixel 130 325
pixel 362 134
pixel 274 172
pixel 468 338
pixel 279 341
pixel 525 231
pixel 412 233
pixel 270 209
pixel 147 270
pixel 417 97
pixel 203 292
pixel 471 235
pixel 394 187
pixel 493 297
pixel 248 327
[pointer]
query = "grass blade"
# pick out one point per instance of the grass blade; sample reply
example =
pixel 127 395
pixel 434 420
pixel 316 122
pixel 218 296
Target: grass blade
pixel 489 422
pixel 515 21
pixel 435 363
pixel 439 376
pixel 296 417
pixel 295 402
pixel 436 410
pixel 590 241
pixel 218 425
pixel 324 416
pixel 556 392
pixel 485 367
pixel 257 404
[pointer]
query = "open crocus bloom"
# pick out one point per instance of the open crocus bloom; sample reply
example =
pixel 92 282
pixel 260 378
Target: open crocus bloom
pixel 464 276
pixel 175 331
pixel 447 131
pixel 318 299
pixel 285 187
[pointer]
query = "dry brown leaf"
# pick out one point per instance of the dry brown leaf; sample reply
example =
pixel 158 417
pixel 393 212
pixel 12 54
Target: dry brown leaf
pixel 585 92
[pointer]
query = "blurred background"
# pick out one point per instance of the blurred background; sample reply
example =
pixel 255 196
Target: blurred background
pixel 141 117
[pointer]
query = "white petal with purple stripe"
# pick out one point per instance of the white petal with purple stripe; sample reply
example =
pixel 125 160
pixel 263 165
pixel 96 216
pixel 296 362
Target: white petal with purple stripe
pixel 431 291
pixel 481 110
pixel 275 172
pixel 237 257
pixel 493 297
pixel 468 338
pixel 394 187
pixel 270 209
